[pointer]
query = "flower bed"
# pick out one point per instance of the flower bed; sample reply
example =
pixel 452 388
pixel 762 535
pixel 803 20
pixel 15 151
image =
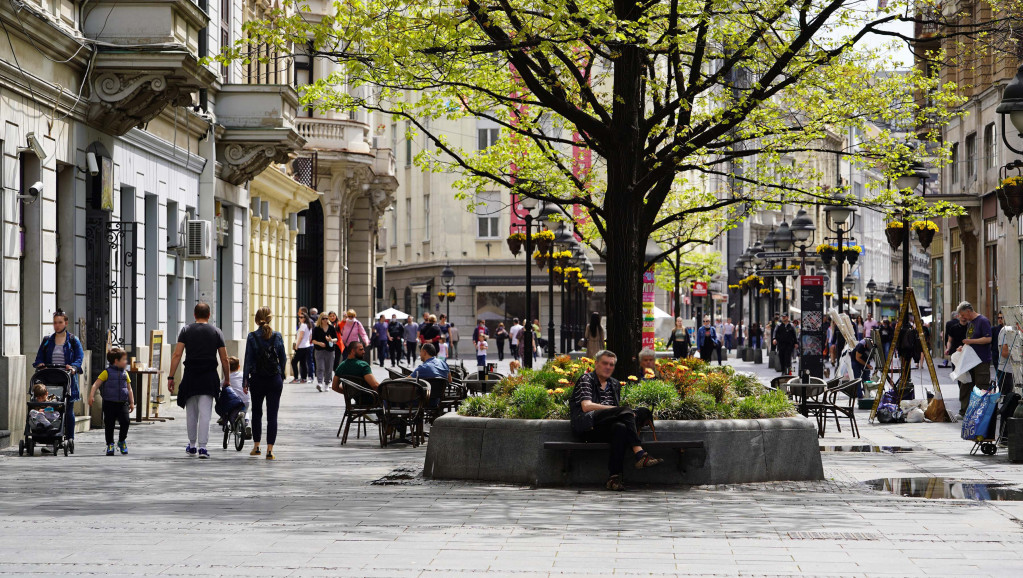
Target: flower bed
pixel 687 389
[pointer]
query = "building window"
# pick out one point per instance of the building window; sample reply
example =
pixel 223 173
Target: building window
pixel 954 166
pixel 938 298
pixel 487 133
pixel 955 275
pixel 488 215
pixel 971 156
pixel 426 218
pixel 990 146
pixel 394 138
pixel 991 265
pixel 408 143
pixel 225 35
pixel 408 221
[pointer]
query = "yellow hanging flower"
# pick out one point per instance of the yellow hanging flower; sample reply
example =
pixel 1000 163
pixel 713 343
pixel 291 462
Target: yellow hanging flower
pixel 633 378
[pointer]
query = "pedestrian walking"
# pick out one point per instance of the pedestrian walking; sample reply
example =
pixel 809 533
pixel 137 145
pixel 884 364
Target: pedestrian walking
pixel 411 336
pixel 500 336
pixel 453 340
pixel 324 339
pixel 301 365
pixel 785 340
pixel 62 348
pixel 353 330
pixel 594 336
pixel 707 340
pixel 263 375
pixel 679 340
pixel 202 346
pixel 514 334
pixel 481 350
pixel 395 348
pixel 335 323
pixel 729 331
pixel 381 339
pixel 114 388
pixel 978 336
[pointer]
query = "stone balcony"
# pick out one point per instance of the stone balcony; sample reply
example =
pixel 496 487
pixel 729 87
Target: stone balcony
pixel 328 134
pixel 258 123
pixel 131 85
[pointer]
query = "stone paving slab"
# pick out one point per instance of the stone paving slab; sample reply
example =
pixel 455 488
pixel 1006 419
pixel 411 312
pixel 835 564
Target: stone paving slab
pixel 316 512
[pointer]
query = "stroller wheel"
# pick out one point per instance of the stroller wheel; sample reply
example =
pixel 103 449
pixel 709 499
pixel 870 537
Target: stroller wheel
pixel 21 447
pixel 30 447
pixel 56 446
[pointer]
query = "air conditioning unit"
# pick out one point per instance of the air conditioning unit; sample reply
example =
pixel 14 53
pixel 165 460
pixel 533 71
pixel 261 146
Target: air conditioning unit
pixel 198 239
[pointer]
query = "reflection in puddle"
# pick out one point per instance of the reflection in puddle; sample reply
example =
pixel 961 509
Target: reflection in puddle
pixel 946 488
pixel 868 449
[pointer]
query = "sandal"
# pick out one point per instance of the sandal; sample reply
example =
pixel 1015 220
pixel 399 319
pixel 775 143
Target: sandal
pixel 647 461
pixel 255 452
pixel 270 456
pixel 614 483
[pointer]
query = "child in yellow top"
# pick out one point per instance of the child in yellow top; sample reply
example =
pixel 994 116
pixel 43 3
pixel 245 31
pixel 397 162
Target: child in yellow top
pixel 114 386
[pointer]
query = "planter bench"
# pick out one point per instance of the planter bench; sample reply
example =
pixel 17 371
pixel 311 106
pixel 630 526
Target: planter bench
pixel 546 453
pixel 690 453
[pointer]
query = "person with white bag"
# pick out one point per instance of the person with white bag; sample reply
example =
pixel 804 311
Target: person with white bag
pixel 978 332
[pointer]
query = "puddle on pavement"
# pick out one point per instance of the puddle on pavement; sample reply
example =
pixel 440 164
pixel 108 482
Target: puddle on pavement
pixel 947 488
pixel 400 477
pixel 868 449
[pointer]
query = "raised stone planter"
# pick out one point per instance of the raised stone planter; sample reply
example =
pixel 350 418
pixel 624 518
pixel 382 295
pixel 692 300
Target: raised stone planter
pixel 511 451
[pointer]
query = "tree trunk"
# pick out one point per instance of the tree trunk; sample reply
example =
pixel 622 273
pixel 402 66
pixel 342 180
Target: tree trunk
pixel 624 294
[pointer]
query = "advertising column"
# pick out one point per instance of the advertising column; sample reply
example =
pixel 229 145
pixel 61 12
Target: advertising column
pixel 812 330
pixel 648 308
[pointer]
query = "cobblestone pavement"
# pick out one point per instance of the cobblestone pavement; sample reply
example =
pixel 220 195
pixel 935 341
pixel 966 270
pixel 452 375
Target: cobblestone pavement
pixel 326 510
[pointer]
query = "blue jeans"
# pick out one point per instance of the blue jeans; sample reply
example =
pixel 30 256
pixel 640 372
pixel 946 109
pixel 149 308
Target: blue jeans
pixel 481 360
pixel 728 341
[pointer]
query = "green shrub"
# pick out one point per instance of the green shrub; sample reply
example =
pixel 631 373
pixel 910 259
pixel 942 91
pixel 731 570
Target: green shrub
pixel 716 384
pixel 545 378
pixel 529 402
pixel 484 406
pixel 559 411
pixel 747 385
pixel 653 394
pixel 698 405
pixel 768 405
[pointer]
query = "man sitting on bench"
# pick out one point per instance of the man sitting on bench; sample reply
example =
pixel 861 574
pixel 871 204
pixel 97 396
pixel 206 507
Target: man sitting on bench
pixel 597 417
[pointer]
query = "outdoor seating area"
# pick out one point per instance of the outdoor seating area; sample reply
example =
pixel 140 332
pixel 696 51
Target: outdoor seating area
pixel 822 400
pixel 403 407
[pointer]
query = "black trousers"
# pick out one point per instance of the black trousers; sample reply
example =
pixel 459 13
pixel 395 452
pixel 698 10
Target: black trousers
pixel 410 352
pixel 115 412
pixel 618 427
pixel 500 349
pixel 395 347
pixel 785 358
pixel 302 363
pixel 267 388
pixel 680 350
pixel 706 351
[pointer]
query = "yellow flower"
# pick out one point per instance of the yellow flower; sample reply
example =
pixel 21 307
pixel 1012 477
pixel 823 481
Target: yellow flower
pixel 563 381
pixel 633 378
pixel 550 392
pixel 648 373
pixel 683 368
pixel 559 390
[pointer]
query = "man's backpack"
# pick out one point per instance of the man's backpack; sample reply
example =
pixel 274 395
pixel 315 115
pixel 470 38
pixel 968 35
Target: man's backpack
pixel 267 363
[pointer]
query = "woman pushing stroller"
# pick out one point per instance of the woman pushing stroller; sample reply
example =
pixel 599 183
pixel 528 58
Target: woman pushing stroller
pixel 63 349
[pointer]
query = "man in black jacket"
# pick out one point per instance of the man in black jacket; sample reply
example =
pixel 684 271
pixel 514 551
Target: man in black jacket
pixel 597 417
pixel 785 340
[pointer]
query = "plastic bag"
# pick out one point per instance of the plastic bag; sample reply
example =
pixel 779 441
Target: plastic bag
pixel 979 413
pixel 967 360
pixel 915 415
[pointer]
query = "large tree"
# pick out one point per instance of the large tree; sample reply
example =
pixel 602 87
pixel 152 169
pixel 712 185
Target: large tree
pixel 692 110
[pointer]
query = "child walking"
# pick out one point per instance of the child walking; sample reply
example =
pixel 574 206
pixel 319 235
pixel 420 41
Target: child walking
pixel 238 388
pixel 114 387
pixel 442 351
pixel 481 351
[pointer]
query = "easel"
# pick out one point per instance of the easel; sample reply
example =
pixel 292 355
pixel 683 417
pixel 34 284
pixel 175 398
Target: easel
pixel 908 299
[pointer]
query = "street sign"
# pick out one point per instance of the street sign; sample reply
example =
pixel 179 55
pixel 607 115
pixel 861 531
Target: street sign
pixel 778 273
pixel 699 289
pixel 777 255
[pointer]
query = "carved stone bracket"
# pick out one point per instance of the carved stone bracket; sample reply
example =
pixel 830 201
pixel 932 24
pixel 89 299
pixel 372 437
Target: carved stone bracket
pixel 127 93
pixel 243 161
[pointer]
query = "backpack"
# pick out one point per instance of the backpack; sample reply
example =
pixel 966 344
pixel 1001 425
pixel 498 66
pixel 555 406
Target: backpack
pixel 267 363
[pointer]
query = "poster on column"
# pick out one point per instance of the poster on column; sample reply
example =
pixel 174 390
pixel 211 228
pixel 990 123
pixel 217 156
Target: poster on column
pixel 812 329
pixel 648 308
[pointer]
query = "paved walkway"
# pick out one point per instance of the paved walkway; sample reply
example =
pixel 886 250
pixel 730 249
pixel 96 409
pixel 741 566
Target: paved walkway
pixel 326 510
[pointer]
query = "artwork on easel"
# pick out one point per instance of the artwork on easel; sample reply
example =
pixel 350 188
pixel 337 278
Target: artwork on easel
pixel 155 362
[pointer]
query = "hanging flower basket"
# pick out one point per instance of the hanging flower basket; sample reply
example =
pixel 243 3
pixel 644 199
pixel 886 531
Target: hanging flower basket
pixel 925 231
pixel 441 295
pixel 894 233
pixel 451 297
pixel 544 240
pixel 852 253
pixel 515 243
pixel 826 252
pixel 541 259
pixel 1010 196
pixel 557 272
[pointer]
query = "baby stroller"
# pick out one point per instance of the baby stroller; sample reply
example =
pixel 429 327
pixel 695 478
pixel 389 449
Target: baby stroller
pixel 231 410
pixel 46 426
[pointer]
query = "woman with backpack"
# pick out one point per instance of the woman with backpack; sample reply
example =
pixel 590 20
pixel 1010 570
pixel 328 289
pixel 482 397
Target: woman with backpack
pixel 263 378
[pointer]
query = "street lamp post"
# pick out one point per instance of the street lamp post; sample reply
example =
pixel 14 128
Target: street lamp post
pixel 909 180
pixel 838 214
pixel 871 291
pixel 528 204
pixel 784 239
pixel 447 278
pixel 550 214
pixel 1012 107
pixel 802 229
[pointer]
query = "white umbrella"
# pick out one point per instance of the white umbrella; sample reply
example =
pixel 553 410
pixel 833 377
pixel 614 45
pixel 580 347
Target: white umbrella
pixel 661 314
pixel 387 313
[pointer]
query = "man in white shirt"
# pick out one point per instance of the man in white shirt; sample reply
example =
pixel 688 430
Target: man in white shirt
pixel 868 325
pixel 729 333
pixel 513 333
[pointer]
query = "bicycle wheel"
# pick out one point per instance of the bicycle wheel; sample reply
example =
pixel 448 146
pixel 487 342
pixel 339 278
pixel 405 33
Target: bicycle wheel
pixel 239 432
pixel 227 434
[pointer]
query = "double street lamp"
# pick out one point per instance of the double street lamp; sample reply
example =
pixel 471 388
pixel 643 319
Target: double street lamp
pixel 1012 107
pixel 528 204
pixel 841 218
pixel 447 278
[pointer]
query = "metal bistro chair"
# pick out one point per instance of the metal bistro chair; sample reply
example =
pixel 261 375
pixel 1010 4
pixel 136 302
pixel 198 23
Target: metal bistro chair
pixel 405 372
pixel 444 397
pixel 829 404
pixel 362 406
pixel 403 401
pixel 394 373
